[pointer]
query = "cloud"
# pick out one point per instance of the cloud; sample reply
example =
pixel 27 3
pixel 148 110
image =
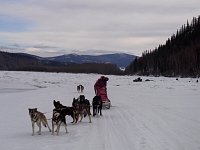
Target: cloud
pixel 66 25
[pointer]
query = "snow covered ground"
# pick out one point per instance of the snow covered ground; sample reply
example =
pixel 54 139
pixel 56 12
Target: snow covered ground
pixel 163 114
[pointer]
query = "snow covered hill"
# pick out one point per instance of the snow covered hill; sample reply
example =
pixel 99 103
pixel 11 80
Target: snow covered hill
pixel 162 114
pixel 120 59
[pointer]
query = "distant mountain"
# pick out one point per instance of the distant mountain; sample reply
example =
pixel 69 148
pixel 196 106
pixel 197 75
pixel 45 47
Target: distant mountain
pixel 122 60
pixel 22 61
pixel 27 62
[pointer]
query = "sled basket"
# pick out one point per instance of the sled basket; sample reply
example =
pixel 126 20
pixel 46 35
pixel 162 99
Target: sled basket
pixel 102 92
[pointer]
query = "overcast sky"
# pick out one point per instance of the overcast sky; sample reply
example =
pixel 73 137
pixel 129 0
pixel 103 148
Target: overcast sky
pixel 56 27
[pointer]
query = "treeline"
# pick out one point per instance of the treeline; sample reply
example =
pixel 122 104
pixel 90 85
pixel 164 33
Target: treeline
pixel 98 68
pixel 21 62
pixel 179 56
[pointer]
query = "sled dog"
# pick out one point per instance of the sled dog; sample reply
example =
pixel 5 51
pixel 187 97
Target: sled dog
pixel 67 110
pixel 80 88
pixel 97 105
pixel 38 118
pixel 57 119
pixel 82 108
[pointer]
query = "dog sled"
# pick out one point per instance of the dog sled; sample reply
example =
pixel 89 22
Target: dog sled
pixel 101 90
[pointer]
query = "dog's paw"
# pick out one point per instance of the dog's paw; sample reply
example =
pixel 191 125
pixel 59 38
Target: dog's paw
pixel 39 132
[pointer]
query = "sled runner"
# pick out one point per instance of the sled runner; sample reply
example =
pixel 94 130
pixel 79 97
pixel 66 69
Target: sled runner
pixel 101 90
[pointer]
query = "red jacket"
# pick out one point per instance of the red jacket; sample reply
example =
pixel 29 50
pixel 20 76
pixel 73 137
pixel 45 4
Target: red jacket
pixel 100 83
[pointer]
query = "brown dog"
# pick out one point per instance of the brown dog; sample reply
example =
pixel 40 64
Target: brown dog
pixel 38 118
pixel 82 108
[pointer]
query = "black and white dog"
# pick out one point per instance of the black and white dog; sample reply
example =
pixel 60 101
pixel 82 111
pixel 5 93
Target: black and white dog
pixel 59 114
pixel 97 105
pixel 57 119
pixel 70 111
pixel 80 88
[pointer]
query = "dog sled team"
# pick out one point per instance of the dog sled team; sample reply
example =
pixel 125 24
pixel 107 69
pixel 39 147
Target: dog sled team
pixel 80 108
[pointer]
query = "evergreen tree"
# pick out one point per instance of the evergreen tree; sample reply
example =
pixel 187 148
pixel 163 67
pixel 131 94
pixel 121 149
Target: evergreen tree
pixel 180 55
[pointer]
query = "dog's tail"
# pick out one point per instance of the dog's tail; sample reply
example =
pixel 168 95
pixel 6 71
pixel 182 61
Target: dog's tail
pixel 44 122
